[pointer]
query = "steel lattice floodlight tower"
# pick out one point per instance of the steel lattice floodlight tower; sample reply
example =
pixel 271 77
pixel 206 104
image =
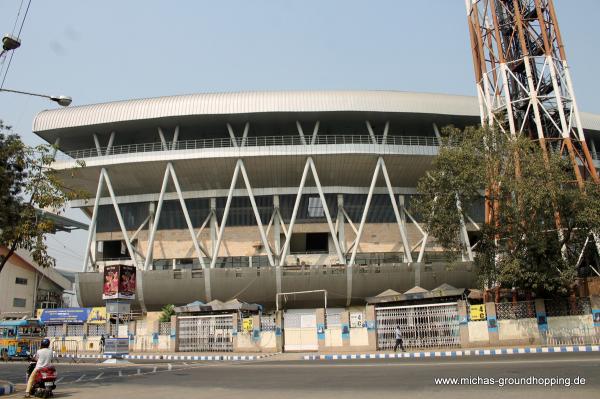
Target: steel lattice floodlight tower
pixel 523 81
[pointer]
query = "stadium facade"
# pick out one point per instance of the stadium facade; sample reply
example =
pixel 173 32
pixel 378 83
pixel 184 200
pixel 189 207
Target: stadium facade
pixel 244 195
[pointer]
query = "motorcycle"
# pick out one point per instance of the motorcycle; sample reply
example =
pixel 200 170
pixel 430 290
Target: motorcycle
pixel 45 380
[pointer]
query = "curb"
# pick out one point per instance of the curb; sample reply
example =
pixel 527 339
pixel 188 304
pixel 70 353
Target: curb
pixel 170 357
pixel 466 352
pixel 6 388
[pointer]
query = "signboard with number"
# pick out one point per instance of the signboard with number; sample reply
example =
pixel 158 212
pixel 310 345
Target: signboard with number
pixel 477 312
pixel 247 324
pixel 356 320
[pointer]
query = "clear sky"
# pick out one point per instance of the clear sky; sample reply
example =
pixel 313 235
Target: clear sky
pixel 108 50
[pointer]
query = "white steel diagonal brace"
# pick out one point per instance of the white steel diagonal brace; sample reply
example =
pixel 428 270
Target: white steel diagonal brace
pixel 225 215
pixel 92 228
pixel 197 246
pixel 261 230
pixel 119 216
pixel 399 220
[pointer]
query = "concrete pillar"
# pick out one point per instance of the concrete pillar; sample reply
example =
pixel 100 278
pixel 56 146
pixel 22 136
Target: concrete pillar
pixel 154 331
pixel 492 321
pixel 542 320
pixel 279 330
pixel 463 320
pixel 84 338
pixel 418 274
pixel 345 321
pixel 341 224
pixel 321 328
pixel 595 302
pixel 234 331
pixel 213 226
pixel 256 333
pixel 276 229
pixel 593 148
pixel 402 211
pixel 173 341
pixel 371 324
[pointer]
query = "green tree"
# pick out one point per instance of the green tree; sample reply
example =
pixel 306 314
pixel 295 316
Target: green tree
pixel 28 185
pixel 527 191
pixel 167 312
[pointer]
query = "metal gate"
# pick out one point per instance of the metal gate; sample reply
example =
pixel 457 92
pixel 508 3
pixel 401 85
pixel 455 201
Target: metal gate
pixel 205 333
pixel 300 330
pixel 422 326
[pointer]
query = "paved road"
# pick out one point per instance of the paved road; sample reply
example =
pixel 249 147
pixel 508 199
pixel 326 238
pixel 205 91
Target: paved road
pixel 414 378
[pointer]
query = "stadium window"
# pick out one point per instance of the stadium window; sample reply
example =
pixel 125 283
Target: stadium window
pixel 19 302
pixel 315 207
pixel 21 281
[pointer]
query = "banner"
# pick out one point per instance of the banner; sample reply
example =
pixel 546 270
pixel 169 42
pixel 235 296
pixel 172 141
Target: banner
pixel 97 316
pixel 119 282
pixel 68 315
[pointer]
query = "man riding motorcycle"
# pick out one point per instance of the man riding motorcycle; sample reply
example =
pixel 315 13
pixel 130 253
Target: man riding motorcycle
pixel 43 358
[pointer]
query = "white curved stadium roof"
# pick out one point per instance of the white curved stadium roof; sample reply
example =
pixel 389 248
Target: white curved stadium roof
pixel 264 102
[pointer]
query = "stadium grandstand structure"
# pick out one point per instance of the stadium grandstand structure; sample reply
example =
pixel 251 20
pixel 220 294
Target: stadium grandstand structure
pixel 245 195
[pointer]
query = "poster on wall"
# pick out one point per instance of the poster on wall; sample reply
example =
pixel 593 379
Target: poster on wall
pixel 97 316
pixel 247 324
pixel 119 282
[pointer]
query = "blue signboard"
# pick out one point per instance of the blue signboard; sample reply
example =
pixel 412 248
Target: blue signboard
pixel 370 325
pixel 68 315
pixel 596 317
pixel 320 331
pixel 542 321
pixel 345 331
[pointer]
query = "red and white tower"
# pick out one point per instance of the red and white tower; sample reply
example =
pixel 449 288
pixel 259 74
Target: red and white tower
pixel 523 81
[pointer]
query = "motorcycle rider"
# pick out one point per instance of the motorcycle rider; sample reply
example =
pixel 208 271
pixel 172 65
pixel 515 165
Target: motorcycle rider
pixel 43 358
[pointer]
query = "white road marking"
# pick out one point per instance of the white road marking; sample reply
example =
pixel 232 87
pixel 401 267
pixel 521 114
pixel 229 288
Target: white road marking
pixel 80 378
pixel 99 376
pixel 139 372
pixel 59 380
pixel 120 373
pixel 154 370
pixel 170 367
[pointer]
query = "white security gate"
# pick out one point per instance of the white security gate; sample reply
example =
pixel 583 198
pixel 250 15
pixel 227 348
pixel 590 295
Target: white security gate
pixel 422 326
pixel 205 333
pixel 300 330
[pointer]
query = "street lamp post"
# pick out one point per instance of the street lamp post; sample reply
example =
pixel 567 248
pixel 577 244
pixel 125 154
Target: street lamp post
pixel 61 100
pixel 10 43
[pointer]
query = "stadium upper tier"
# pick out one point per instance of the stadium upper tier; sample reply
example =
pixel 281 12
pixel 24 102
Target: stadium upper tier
pixel 204 116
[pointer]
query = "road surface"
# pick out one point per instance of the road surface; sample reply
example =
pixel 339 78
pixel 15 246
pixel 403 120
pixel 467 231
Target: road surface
pixel 489 377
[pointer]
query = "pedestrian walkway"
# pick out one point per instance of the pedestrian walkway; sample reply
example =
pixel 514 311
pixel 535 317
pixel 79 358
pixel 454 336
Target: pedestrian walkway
pixel 181 356
pixel 455 353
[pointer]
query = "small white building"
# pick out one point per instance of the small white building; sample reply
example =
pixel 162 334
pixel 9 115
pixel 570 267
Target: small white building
pixel 25 286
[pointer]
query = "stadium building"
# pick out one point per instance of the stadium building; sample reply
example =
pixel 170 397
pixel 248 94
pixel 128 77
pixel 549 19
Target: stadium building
pixel 245 195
